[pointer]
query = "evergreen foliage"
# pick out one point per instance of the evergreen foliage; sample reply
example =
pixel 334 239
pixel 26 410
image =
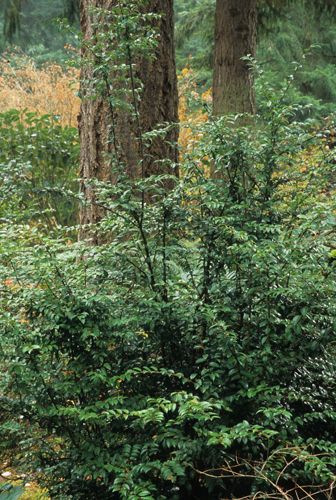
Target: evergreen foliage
pixel 33 25
pixel 306 35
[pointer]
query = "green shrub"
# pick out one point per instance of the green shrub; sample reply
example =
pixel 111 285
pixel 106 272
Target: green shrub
pixel 192 355
pixel 38 164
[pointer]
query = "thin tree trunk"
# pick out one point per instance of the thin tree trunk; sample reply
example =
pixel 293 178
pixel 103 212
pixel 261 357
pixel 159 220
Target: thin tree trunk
pixel 235 37
pixel 105 131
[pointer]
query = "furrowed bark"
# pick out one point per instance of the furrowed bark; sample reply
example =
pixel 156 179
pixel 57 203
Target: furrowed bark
pixel 106 131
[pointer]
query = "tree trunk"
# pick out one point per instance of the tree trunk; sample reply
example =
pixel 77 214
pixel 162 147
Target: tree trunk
pixel 105 131
pixel 235 37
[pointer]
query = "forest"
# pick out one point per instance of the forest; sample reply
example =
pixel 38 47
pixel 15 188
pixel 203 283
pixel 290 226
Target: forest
pixel 167 249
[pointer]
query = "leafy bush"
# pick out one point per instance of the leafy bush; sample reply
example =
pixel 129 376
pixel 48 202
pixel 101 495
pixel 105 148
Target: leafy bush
pixel 38 164
pixel 192 355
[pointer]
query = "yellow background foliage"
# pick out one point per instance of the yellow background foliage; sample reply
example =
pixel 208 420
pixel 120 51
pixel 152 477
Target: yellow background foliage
pixel 46 90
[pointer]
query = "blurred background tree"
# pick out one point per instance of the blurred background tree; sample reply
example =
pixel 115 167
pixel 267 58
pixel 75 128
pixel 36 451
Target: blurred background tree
pixel 33 26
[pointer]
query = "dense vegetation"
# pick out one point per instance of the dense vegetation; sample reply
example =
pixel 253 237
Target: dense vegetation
pixel 191 354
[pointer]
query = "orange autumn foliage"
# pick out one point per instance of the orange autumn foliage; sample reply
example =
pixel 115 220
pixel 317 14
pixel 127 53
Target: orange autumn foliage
pixel 192 111
pixel 47 90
